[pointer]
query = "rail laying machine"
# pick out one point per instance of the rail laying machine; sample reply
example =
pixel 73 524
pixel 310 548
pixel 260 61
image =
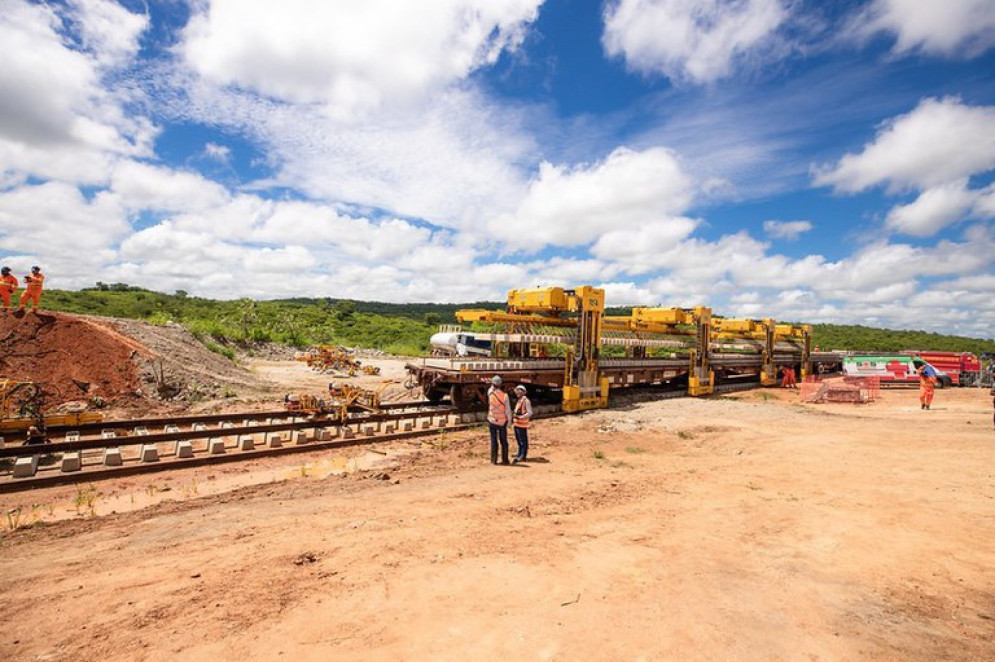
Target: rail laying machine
pixel 559 341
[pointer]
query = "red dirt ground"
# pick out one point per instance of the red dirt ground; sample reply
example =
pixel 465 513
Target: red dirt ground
pixel 750 527
pixel 64 348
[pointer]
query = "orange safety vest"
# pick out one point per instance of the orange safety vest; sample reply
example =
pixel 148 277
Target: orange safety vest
pixel 8 282
pixel 520 410
pixel 34 285
pixel 498 407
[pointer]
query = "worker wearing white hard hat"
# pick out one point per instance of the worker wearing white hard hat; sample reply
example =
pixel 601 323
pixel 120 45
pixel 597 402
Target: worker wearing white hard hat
pixel 498 417
pixel 522 418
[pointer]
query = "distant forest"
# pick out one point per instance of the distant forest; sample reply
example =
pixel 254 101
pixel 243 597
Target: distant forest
pixel 395 328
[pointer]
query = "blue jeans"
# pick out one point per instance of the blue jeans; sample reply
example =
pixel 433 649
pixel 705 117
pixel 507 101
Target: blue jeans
pixel 499 433
pixel 522 439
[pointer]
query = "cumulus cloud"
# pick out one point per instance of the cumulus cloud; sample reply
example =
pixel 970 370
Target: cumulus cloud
pixel 109 31
pixel 951 28
pixel 57 119
pixel 695 40
pixel 933 210
pixel 574 206
pixel 56 225
pixel 630 245
pixel 935 149
pixel 352 56
pixel 940 141
pixel 789 230
pixel 146 187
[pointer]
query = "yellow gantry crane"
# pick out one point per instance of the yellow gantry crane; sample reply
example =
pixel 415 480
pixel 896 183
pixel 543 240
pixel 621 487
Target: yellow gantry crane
pixel 575 318
pixel 581 309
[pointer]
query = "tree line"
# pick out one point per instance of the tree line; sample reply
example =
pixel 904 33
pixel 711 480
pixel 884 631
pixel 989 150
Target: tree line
pixel 396 328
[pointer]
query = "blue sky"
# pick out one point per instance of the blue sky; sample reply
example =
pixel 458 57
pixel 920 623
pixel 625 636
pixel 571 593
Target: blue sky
pixel 820 162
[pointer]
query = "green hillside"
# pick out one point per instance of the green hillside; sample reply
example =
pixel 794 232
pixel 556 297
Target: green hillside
pixel 394 328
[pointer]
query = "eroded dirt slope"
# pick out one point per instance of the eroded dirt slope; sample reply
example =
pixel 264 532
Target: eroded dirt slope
pixel 77 358
pixel 126 364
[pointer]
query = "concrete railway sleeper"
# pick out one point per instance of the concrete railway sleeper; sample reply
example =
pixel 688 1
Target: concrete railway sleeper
pixel 108 456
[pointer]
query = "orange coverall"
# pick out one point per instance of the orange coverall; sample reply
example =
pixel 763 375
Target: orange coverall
pixel 8 285
pixel 33 290
pixel 926 388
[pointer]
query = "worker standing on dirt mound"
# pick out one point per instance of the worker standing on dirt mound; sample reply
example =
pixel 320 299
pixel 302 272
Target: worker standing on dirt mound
pixel 8 285
pixel 34 282
pixel 498 416
pixel 927 383
pixel 523 416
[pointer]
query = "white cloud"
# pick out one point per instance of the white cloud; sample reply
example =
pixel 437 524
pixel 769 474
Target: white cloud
pixel 353 56
pixel 571 207
pixel 696 40
pixel 108 30
pixel 142 186
pixel 789 230
pixel 285 262
pixel 935 148
pixel 453 160
pixel 933 210
pixel 952 27
pixel 940 141
pixel 57 120
pixel 72 236
pixel 658 237
pixel 217 152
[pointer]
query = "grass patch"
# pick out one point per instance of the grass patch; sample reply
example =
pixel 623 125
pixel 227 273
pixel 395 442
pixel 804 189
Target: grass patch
pixel 597 455
pixel 226 352
pixel 765 395
pixel 635 450
pixel 684 434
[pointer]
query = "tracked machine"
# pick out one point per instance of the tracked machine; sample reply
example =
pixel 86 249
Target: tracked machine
pixel 560 344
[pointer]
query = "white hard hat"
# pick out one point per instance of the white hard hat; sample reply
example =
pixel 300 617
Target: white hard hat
pixel 496 380
pixel 520 388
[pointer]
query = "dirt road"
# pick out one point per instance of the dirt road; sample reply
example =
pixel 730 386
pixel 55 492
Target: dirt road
pixel 729 528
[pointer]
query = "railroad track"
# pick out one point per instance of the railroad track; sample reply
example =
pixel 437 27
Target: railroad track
pixel 126 447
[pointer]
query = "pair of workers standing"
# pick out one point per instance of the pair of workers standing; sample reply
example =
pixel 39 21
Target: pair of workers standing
pixel 32 291
pixel 500 413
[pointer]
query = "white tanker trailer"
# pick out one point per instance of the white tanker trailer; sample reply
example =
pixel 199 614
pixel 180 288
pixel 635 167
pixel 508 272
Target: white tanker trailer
pixel 459 344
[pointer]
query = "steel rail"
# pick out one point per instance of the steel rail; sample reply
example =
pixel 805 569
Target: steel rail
pixel 53 430
pixel 170 461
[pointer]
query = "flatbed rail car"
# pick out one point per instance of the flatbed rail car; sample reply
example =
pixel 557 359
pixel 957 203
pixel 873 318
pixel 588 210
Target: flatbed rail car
pixel 464 380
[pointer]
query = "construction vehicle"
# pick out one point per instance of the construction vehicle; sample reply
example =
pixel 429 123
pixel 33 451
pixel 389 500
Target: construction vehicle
pixel 332 359
pixel 557 340
pixel 23 406
pixel 341 401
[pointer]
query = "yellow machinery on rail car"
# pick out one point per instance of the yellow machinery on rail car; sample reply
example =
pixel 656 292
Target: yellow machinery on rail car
pixel 575 318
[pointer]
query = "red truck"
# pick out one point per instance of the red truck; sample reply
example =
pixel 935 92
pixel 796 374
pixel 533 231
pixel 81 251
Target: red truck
pixel 963 368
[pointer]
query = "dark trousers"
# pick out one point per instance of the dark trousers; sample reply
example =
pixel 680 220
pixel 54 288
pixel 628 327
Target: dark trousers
pixel 522 439
pixel 499 433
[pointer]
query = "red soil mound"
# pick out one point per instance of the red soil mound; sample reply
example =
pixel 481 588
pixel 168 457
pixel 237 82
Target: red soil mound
pixel 75 358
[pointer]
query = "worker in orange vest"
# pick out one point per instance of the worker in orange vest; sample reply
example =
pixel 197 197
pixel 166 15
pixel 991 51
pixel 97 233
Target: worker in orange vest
pixel 927 385
pixel 32 292
pixel 8 285
pixel 498 417
pixel 522 418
